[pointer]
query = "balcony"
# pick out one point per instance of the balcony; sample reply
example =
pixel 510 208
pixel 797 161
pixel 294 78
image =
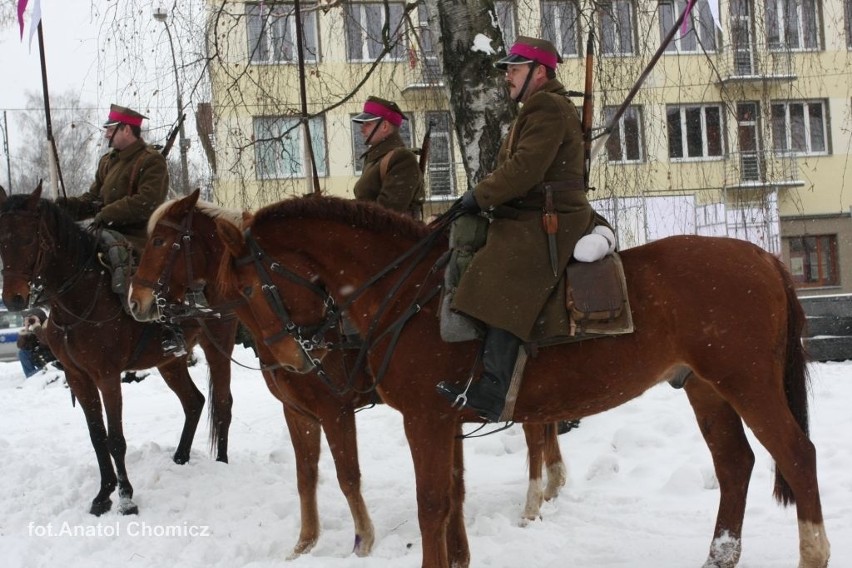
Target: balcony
pixel 426 74
pixel 753 65
pixel 765 168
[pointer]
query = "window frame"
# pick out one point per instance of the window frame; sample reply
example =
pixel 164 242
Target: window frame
pixel 605 16
pixel 286 125
pixel 806 125
pixel 399 51
pixel 780 25
pixel 551 16
pixel 801 266
pixel 619 133
pixel 684 125
pixel 504 11
pixel 266 34
pixel 699 22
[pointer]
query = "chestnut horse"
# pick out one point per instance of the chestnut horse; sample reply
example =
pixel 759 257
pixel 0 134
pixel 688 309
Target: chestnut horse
pixel 183 253
pixel 718 313
pixel 47 256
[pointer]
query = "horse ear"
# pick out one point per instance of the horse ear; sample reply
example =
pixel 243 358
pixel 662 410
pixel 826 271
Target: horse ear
pixel 32 200
pixel 231 236
pixel 192 198
pixel 3 194
pixel 248 217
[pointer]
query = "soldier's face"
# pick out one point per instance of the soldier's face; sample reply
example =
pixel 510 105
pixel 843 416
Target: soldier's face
pixel 367 131
pixel 118 136
pixel 516 76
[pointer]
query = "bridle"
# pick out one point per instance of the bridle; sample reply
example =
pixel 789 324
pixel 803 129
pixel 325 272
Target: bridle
pixel 264 264
pixel 309 338
pixel 35 279
pixel 194 304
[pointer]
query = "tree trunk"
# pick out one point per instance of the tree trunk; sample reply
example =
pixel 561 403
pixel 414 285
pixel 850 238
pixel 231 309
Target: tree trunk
pixel 481 108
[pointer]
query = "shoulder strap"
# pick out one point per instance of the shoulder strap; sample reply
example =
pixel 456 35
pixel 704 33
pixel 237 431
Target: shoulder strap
pixel 384 164
pixel 135 169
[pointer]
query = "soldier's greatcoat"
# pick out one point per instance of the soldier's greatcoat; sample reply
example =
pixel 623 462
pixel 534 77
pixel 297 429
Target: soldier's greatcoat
pixel 402 187
pixel 114 202
pixel 510 282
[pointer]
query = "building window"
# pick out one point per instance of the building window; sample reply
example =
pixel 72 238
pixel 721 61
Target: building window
pixel 505 12
pixel 272 33
pixel 280 150
pixel 847 13
pixel 358 146
pixel 800 127
pixel 616 21
pixel 793 24
pixel 700 33
pixel 364 23
pixel 560 26
pixel 440 166
pixel 813 260
pixel 625 144
pixel 694 131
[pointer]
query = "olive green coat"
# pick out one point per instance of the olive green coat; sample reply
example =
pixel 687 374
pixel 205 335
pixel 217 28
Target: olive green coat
pixel 510 283
pixel 113 202
pixel 402 186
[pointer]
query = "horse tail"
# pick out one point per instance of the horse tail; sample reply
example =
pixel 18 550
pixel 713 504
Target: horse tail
pixel 796 378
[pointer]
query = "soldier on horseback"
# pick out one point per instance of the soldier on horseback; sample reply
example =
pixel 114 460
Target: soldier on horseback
pixel 512 283
pixel 131 181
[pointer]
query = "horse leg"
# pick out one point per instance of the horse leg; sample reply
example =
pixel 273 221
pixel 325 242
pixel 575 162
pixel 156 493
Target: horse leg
pixel 433 443
pixel 218 354
pixel 341 437
pixel 733 461
pixel 557 473
pixel 305 436
pixel 90 401
pixel 534 434
pixel 177 378
pixel 111 394
pixel 776 428
pixel 458 549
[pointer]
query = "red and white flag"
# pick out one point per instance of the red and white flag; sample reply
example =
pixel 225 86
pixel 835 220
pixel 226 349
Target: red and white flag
pixel 35 18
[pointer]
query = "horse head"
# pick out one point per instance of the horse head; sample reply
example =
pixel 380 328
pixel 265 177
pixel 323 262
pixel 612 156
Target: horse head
pixel 181 257
pixel 23 243
pixel 288 312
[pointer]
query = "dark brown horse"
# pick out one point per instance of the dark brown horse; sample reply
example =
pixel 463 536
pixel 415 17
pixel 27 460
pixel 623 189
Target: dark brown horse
pixel 720 313
pixel 46 256
pixel 183 254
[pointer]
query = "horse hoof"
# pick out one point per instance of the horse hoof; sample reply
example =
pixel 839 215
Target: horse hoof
pixel 100 507
pixel 363 546
pixel 180 459
pixel 128 507
pixel 302 547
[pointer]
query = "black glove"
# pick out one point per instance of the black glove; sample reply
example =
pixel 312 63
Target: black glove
pixel 468 202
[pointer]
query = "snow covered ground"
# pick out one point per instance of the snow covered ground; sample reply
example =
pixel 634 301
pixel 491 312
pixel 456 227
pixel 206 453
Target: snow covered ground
pixel 641 492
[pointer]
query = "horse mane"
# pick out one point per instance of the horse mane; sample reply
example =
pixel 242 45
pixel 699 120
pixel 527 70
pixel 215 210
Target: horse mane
pixel 204 207
pixel 361 214
pixel 68 237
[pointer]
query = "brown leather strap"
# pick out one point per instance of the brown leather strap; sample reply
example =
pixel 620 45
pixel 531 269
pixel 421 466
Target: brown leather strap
pixel 385 164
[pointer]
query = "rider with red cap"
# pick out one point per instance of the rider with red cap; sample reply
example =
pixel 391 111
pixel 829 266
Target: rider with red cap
pixel 391 175
pixel 131 180
pixel 515 282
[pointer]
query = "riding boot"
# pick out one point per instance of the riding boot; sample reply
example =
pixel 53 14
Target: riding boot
pixel 487 396
pixel 173 342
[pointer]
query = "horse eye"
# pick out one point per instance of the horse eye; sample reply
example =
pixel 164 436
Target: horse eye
pixel 158 241
pixel 247 291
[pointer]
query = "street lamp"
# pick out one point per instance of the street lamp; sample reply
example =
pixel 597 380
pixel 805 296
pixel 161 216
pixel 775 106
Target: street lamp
pixel 161 15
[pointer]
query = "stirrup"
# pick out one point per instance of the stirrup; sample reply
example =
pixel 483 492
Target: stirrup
pixel 173 347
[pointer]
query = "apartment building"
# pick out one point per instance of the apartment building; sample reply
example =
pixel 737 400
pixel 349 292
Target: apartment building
pixel 740 131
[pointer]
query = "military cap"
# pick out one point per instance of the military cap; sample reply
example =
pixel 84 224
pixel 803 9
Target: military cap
pixel 123 115
pixel 376 109
pixel 530 49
